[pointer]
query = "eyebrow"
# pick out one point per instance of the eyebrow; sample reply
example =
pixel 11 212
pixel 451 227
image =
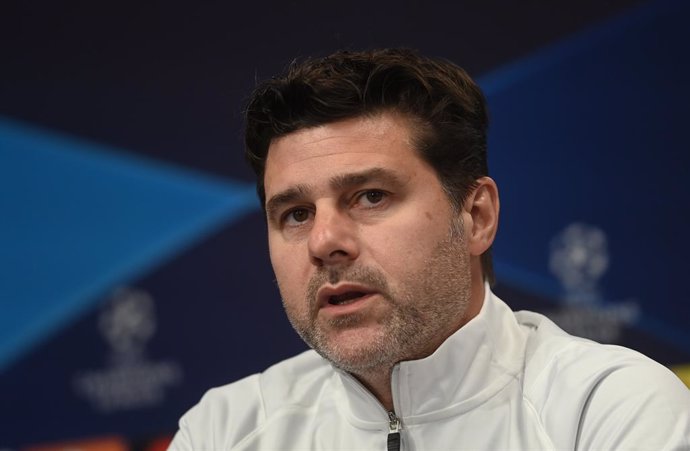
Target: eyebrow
pixel 337 182
pixel 290 195
pixel 344 181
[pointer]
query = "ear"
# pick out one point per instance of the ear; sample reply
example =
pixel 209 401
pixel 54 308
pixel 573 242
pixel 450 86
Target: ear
pixel 480 214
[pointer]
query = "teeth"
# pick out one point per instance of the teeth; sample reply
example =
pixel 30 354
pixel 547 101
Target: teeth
pixel 345 298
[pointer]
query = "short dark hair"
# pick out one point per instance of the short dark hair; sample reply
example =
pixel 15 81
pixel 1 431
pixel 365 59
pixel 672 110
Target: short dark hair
pixel 445 105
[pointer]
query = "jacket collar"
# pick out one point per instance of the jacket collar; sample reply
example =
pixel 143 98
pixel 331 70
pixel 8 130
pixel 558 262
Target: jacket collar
pixel 471 366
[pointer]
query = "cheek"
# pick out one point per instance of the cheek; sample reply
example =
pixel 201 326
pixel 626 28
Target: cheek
pixel 409 243
pixel 288 268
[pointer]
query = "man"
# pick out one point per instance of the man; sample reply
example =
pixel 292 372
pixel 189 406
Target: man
pixel 372 171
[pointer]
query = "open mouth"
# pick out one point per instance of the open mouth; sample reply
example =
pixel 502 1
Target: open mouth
pixel 346 298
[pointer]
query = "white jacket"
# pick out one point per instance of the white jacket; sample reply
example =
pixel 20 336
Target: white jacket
pixel 504 381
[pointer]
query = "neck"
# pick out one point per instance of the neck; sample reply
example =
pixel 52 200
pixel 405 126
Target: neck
pixel 379 384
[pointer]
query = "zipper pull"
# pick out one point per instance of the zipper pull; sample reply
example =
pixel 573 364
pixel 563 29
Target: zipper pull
pixel 394 427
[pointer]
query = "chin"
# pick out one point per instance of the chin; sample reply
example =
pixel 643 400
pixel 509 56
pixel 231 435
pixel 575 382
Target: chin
pixel 357 351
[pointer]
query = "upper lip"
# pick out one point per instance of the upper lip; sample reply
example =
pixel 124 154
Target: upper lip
pixel 325 292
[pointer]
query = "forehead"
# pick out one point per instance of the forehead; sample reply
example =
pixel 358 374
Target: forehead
pixel 351 145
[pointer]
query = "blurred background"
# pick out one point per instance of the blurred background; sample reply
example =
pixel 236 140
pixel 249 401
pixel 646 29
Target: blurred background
pixel 134 273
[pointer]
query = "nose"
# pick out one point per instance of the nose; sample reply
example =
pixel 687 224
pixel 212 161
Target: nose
pixel 332 239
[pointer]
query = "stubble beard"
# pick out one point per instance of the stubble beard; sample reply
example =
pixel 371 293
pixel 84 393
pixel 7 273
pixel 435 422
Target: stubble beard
pixel 427 307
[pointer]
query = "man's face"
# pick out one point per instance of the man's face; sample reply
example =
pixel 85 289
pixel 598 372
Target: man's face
pixel 369 255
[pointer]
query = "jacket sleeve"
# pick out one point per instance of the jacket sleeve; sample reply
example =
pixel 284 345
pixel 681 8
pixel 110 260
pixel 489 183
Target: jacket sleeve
pixel 181 441
pixel 224 416
pixel 637 407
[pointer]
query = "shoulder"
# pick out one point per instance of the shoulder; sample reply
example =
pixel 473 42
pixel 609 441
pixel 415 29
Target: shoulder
pixel 554 358
pixel 229 413
pixel 551 352
pixel 601 396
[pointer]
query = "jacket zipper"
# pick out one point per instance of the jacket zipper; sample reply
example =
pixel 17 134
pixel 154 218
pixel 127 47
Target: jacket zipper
pixel 394 427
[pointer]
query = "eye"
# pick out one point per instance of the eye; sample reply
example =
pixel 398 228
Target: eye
pixel 296 216
pixel 372 197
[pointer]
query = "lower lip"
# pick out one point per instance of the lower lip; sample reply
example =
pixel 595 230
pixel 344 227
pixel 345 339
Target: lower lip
pixel 351 307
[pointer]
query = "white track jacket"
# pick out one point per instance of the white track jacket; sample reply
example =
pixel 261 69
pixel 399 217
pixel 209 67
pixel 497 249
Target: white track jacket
pixel 504 381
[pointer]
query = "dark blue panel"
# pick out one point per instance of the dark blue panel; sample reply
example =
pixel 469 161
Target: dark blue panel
pixel 593 132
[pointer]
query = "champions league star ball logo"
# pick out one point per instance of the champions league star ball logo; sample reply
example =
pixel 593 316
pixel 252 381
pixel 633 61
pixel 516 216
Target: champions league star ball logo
pixel 128 323
pixel 579 258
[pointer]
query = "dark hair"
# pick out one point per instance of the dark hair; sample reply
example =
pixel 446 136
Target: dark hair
pixel 445 105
